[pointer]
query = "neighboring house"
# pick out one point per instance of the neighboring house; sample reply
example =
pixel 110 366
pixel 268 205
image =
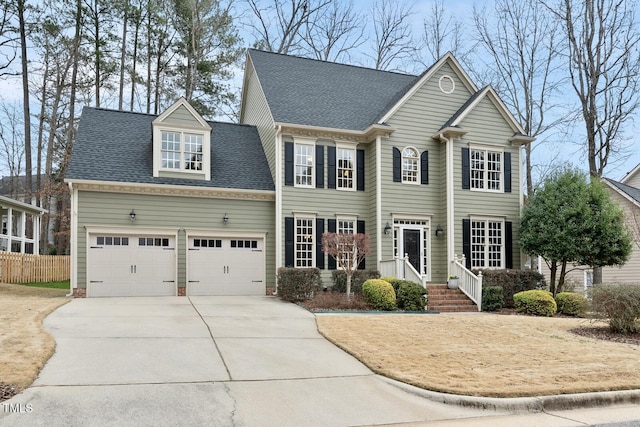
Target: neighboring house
pixel 14 187
pixel 20 226
pixel 627 196
pixel 428 166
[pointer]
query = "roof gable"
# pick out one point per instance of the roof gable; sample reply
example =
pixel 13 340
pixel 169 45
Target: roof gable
pixel 630 193
pixel 632 177
pixel 182 114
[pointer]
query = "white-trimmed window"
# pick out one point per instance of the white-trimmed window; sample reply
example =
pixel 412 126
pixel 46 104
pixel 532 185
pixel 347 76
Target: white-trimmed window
pixel 181 151
pixel 410 167
pixel 346 226
pixel 487 243
pixel 304 165
pixel 486 170
pixel 304 249
pixel 345 161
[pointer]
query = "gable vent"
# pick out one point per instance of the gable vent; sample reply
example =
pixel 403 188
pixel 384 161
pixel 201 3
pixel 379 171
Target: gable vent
pixel 447 85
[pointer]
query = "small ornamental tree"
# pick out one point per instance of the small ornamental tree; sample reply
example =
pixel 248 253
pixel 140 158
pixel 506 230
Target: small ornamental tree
pixel 348 249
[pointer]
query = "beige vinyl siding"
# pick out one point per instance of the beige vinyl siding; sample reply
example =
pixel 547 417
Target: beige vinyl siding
pixel 256 112
pixel 105 209
pixel 328 203
pixel 182 117
pixel 415 123
pixel 486 126
pixel 633 180
pixel 371 227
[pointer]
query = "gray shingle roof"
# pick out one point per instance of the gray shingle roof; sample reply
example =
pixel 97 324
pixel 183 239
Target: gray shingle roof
pixel 463 108
pixel 632 192
pixel 117 146
pixel 326 94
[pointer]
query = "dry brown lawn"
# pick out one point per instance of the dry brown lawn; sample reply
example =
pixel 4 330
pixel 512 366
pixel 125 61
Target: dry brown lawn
pixel 25 345
pixel 486 354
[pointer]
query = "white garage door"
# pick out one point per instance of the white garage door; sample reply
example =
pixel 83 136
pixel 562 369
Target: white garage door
pixel 225 266
pixel 131 265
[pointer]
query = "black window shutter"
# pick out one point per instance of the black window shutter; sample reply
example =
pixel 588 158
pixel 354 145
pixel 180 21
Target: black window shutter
pixel 424 167
pixel 360 170
pixel 319 166
pixel 331 261
pixel 466 241
pixel 508 244
pixel 331 167
pixel 319 253
pixel 288 163
pixel 397 165
pixel 466 169
pixel 360 228
pixel 507 172
pixel 288 241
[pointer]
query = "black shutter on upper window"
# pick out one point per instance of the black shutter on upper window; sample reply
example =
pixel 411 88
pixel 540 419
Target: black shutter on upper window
pixel 319 253
pixel 319 166
pixel 360 228
pixel 507 172
pixel 508 244
pixel 360 170
pixel 397 165
pixel 466 241
pixel 466 169
pixel 424 167
pixel 288 163
pixel 331 228
pixel 331 167
pixel 288 241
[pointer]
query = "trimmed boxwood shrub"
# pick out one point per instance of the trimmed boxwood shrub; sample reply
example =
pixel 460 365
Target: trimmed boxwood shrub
pixel 571 304
pixel 620 304
pixel 492 298
pixel 298 284
pixel 379 294
pixel 512 282
pixel 536 302
pixel 357 279
pixel 410 296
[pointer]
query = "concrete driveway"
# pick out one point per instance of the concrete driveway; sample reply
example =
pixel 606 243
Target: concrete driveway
pixel 205 361
pixel 222 361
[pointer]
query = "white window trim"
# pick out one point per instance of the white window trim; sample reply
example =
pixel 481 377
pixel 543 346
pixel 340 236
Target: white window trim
pixel 351 147
pixel 486 149
pixel 203 128
pixel 352 218
pixel 486 220
pixel 308 142
pixel 313 239
pixel 418 177
pixel 182 162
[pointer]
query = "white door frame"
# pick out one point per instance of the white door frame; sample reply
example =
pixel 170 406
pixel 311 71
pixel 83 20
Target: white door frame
pixel 425 241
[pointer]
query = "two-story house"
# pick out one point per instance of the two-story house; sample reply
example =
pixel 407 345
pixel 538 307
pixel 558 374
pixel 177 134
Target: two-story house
pixel 428 166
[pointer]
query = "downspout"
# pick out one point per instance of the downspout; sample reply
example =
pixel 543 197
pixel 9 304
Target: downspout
pixel 279 183
pixel 379 199
pixel 73 283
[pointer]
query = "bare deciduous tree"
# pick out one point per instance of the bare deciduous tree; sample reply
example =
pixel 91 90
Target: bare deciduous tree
pixel 336 31
pixel 522 41
pixel 281 26
pixel 442 33
pixel 348 249
pixel 8 39
pixel 11 140
pixel 393 40
pixel 604 67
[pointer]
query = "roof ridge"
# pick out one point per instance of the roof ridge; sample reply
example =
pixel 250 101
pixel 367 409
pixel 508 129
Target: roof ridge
pixel 362 67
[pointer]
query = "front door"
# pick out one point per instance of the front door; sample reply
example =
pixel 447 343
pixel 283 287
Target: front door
pixel 411 248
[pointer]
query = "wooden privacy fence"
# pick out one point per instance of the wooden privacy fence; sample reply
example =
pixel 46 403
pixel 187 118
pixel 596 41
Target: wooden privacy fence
pixel 25 268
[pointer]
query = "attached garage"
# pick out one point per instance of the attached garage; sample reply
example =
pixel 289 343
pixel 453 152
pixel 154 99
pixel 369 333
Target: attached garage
pixel 218 265
pixel 131 265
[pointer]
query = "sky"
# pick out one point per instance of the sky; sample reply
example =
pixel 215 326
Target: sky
pixel 554 148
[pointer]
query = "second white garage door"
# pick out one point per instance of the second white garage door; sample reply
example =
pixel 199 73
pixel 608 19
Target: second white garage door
pixel 225 266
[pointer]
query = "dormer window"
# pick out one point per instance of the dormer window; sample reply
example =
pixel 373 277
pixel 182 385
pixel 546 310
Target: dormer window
pixel 181 143
pixel 181 151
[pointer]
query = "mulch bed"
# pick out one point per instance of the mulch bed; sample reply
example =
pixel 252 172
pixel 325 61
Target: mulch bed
pixel 7 391
pixel 603 333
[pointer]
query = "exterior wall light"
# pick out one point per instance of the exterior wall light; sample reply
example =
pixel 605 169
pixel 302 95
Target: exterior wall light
pixel 225 218
pixel 439 231
pixel 132 215
pixel 387 228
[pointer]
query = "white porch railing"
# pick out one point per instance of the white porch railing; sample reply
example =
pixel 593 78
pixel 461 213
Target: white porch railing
pixel 400 268
pixel 468 283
